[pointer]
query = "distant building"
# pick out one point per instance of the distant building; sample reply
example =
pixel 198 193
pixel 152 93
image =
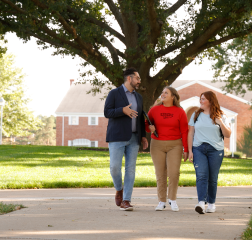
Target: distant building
pixel 80 120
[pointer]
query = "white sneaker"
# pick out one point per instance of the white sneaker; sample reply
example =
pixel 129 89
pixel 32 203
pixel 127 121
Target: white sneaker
pixel 161 206
pixel 211 208
pixel 174 206
pixel 200 207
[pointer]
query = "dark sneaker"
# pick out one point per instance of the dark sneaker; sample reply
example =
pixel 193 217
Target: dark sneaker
pixel 200 208
pixel 125 206
pixel 119 197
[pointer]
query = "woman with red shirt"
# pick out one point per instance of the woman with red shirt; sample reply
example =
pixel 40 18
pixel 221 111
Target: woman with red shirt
pixel 170 122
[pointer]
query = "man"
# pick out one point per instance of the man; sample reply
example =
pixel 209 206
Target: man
pixel 125 132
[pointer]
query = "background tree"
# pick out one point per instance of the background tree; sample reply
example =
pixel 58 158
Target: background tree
pixel 245 143
pixel 157 37
pixel 234 65
pixel 3 49
pixel 17 119
pixel 47 134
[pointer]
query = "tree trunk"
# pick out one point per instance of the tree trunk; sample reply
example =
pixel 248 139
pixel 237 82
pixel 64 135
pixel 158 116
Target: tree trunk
pixel 149 99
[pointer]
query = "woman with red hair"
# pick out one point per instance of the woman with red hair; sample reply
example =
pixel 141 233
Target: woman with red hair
pixel 207 129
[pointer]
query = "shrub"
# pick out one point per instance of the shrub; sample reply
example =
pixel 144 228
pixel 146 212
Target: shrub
pixel 238 154
pixel 227 153
pixel 245 143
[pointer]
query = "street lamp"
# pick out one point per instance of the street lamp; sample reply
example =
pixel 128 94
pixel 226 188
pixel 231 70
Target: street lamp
pixel 1 104
pixel 233 135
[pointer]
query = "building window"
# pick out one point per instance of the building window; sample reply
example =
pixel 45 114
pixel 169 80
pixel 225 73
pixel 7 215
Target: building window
pixel 94 144
pixel 73 120
pixel 92 120
pixel 82 143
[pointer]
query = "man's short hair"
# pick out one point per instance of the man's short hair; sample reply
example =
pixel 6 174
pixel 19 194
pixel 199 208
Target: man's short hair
pixel 128 72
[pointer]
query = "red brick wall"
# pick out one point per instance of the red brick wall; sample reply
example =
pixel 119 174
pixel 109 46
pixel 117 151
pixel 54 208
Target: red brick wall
pixel 244 113
pixel 83 130
pixel 58 131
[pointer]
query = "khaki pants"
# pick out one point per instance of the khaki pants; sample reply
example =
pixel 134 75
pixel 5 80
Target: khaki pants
pixel 166 156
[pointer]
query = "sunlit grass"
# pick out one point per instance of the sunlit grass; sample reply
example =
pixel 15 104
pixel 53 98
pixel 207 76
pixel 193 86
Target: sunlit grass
pixel 61 167
pixel 247 235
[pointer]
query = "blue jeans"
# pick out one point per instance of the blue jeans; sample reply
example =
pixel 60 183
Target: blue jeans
pixel 130 150
pixel 207 162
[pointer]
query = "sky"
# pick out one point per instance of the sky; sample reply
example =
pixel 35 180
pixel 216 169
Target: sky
pixel 48 77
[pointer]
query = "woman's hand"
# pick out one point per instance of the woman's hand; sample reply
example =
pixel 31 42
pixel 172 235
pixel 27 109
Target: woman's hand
pixel 190 157
pixel 219 121
pixel 152 128
pixel 185 156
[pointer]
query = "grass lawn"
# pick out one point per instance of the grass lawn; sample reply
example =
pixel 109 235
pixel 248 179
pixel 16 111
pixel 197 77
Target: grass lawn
pixel 55 167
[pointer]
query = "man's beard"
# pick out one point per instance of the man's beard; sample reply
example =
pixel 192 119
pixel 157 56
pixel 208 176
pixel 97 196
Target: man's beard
pixel 134 86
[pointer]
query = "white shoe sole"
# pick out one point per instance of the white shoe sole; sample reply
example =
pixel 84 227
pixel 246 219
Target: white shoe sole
pixel 175 210
pixel 199 210
pixel 210 210
pixel 159 209
pixel 127 209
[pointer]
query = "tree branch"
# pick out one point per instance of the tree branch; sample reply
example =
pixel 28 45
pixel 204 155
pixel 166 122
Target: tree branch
pixel 130 26
pixel 155 26
pixel 113 8
pixel 106 27
pixel 112 50
pixel 169 49
pixel 174 7
pixel 225 39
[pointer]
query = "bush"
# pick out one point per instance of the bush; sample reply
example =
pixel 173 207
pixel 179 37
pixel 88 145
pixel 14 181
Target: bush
pixel 238 154
pixel 227 153
pixel 245 143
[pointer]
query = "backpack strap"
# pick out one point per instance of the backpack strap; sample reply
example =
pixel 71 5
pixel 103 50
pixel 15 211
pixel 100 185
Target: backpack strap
pixel 196 119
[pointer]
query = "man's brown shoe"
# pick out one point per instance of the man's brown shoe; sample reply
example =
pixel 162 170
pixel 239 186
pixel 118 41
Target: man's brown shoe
pixel 119 197
pixel 125 206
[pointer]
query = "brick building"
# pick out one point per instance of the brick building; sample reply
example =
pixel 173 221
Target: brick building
pixel 80 120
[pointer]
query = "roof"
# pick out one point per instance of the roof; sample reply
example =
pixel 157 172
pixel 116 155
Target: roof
pixel 179 84
pixel 78 101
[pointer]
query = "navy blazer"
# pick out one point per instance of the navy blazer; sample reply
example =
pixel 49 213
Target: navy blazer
pixel 119 125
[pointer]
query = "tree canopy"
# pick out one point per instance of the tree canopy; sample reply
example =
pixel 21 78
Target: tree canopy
pixel 234 65
pixel 17 119
pixel 157 37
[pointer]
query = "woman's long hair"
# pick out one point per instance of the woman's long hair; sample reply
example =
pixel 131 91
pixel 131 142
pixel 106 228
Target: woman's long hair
pixel 174 93
pixel 215 111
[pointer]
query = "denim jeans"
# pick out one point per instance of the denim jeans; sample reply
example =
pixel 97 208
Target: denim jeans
pixel 207 162
pixel 130 150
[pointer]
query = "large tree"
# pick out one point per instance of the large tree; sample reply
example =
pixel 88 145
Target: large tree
pixel 17 119
pixel 159 38
pixel 234 65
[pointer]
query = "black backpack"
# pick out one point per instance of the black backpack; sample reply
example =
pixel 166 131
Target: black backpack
pixel 216 124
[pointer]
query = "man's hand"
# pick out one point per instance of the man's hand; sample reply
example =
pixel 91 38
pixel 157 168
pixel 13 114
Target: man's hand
pixel 144 142
pixel 129 112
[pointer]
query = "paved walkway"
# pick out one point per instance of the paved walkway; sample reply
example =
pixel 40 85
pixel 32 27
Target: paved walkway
pixel 71 214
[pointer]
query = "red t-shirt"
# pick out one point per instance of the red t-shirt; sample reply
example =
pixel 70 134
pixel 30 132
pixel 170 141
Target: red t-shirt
pixel 170 123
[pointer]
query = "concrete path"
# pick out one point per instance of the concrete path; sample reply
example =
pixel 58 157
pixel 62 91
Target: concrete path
pixel 71 214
